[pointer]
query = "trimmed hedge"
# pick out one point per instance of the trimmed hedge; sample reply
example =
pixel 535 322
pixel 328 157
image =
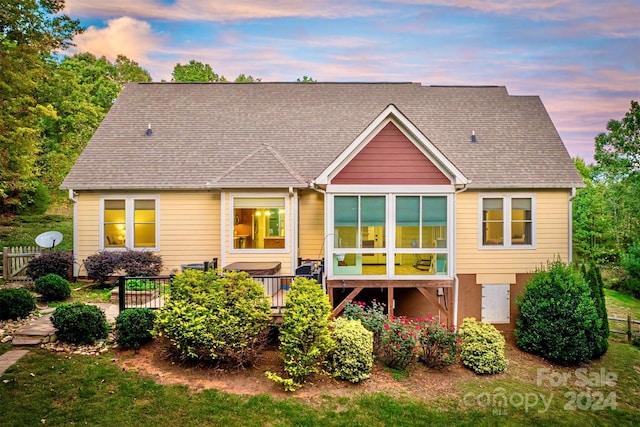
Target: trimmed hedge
pixel 134 326
pixel 16 303
pixel 79 323
pixel 53 287
pixel 102 265
pixel 220 320
pixel 482 347
pixel 352 357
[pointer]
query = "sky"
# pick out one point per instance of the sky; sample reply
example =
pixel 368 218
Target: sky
pixel 582 57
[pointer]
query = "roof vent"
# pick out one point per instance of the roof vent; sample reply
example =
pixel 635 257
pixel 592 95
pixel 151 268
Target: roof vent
pixel 149 131
pixel 473 136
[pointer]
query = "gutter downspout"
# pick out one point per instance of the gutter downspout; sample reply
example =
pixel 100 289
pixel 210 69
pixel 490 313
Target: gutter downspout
pixel 571 197
pixel 456 282
pixel 314 187
pixel 76 266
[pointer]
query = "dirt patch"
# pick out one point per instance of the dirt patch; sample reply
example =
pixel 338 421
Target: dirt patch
pixel 422 383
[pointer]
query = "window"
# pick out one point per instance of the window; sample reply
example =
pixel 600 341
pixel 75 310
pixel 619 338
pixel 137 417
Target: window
pixel 421 235
pixel 390 235
pixel 360 233
pixel 129 223
pixel 259 223
pixel 507 221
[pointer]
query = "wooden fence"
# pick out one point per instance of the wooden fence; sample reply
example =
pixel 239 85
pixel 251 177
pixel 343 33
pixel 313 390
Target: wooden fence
pixel 15 260
pixel 629 330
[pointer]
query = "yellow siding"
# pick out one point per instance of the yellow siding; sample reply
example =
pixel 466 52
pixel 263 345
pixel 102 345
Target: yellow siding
pixel 189 227
pixel 311 225
pixel 552 238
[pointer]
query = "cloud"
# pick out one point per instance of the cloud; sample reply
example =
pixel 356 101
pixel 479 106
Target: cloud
pixel 131 37
pixel 206 10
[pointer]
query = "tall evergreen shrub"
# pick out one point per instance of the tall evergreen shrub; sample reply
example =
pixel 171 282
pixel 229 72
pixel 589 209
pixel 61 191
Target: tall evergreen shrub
pixel 594 279
pixel 558 318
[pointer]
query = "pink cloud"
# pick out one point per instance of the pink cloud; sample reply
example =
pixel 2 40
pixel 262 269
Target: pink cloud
pixel 130 37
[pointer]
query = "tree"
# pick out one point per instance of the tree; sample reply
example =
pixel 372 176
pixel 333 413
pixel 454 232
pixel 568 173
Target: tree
pixel 195 71
pixel 29 31
pixel 606 211
pixel 247 79
pixel 306 79
pixel 618 151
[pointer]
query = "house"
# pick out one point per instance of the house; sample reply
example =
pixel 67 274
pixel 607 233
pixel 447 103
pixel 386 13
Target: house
pixel 434 200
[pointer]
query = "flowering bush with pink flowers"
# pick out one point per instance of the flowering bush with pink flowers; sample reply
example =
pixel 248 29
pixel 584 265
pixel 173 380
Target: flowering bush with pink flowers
pixel 438 343
pixel 397 349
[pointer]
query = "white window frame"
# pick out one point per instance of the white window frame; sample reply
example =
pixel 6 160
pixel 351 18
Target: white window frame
pixel 390 193
pixel 129 205
pixel 506 218
pixel 288 223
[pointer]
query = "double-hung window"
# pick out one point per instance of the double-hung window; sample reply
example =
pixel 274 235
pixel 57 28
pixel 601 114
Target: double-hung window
pixel 507 221
pixel 129 222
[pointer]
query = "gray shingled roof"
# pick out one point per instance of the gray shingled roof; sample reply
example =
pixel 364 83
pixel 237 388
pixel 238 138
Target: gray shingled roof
pixel 226 135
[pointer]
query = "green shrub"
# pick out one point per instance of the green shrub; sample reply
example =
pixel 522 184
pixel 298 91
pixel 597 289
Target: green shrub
pixel 437 343
pixel 352 357
pixel 594 279
pixel 305 339
pixel 79 323
pixel 220 320
pixel 398 343
pixel 482 347
pixel 372 317
pixel 134 326
pixel 53 287
pixel 16 303
pixel 140 285
pixel 51 262
pixel 558 318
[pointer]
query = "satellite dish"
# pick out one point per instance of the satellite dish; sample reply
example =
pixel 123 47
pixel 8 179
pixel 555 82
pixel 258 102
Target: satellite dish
pixel 49 239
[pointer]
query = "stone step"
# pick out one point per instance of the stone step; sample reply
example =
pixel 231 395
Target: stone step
pixel 26 341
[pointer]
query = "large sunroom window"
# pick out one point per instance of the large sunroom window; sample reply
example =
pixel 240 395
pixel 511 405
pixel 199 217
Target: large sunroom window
pixel 129 223
pixel 259 223
pixel 390 235
pixel 421 235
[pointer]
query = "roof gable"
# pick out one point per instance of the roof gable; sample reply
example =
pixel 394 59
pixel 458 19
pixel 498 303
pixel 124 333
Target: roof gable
pixel 391 150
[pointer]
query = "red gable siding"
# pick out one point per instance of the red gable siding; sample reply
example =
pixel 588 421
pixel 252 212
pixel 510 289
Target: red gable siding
pixel 389 159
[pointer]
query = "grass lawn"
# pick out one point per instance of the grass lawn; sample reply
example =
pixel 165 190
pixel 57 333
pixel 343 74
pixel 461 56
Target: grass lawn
pixel 82 390
pixel 621 305
pixel 22 230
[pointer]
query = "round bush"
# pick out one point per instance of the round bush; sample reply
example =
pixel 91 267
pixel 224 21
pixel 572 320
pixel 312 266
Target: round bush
pixel 134 326
pixel 53 287
pixel 222 320
pixel 51 262
pixel 482 347
pixel 79 323
pixel 16 303
pixel 558 318
pixel 352 357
